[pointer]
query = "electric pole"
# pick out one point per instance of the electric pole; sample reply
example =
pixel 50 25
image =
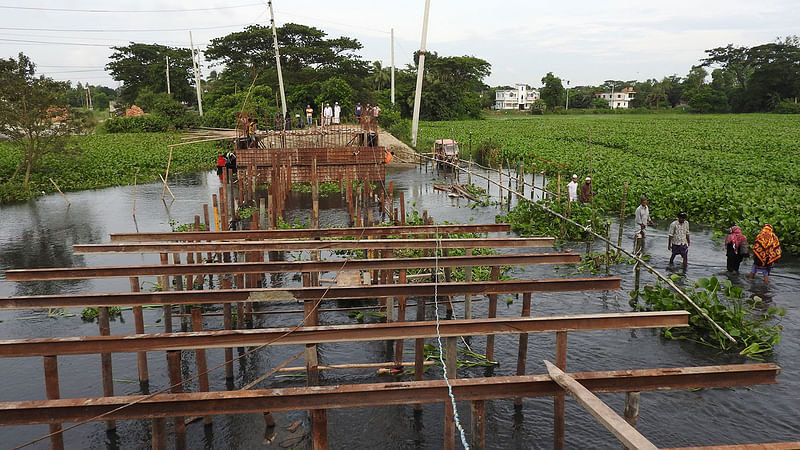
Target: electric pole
pixel 420 73
pixel 392 90
pixel 196 76
pixel 277 59
pixel 169 92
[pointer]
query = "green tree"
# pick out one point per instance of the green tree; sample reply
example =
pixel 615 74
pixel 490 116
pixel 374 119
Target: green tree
pixel 335 90
pixel 694 80
pixel 141 66
pixel 708 100
pixel 552 92
pixel 33 113
pixel 657 95
pixel 100 100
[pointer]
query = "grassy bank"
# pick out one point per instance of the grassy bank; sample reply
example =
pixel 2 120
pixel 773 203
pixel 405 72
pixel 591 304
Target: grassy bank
pixel 732 169
pixel 102 160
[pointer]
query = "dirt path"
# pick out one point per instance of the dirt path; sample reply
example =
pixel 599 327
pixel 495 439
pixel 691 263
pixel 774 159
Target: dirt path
pixel 403 154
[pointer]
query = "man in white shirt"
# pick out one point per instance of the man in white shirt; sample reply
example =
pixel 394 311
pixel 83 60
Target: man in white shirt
pixel 642 217
pixel 572 188
pixel 327 114
pixel 337 112
pixel 678 240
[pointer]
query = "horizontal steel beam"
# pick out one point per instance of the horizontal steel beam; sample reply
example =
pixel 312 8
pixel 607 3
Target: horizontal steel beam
pixel 252 235
pixel 760 446
pixel 289 245
pixel 336 333
pixel 308 293
pixel 73 273
pixel 374 394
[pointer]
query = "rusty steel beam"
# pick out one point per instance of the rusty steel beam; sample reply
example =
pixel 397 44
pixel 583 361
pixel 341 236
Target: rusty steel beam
pixel 375 394
pixel 336 333
pixel 309 233
pixel 289 245
pixel 73 273
pixel 760 446
pixel 308 293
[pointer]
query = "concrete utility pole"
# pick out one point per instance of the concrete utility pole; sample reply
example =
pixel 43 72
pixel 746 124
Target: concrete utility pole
pixel 168 88
pixel 420 73
pixel 392 66
pixel 567 107
pixel 196 77
pixel 277 59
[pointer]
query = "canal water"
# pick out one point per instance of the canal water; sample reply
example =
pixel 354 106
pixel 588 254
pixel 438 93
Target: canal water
pixel 41 233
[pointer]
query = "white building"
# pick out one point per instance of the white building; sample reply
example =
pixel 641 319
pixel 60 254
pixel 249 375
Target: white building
pixel 521 97
pixel 618 100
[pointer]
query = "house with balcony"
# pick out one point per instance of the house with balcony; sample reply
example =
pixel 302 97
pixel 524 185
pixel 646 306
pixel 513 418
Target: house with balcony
pixel 618 100
pixel 520 97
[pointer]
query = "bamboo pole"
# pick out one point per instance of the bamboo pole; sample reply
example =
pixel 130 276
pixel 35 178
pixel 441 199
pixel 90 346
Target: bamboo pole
pixel 166 187
pixel 166 177
pixel 62 194
pixel 622 213
pixel 135 179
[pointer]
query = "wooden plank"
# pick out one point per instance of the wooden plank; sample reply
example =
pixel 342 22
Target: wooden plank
pixel 336 333
pixel 307 293
pixel 309 233
pixel 289 245
pixel 627 434
pixel 397 393
pixel 74 273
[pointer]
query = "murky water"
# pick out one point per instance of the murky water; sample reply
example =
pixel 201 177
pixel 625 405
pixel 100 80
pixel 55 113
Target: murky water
pixel 40 234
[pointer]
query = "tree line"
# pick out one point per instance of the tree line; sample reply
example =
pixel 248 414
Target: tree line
pixel 764 78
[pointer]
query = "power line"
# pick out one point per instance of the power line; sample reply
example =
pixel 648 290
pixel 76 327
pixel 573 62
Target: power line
pixel 150 30
pixel 31 8
pixel 82 44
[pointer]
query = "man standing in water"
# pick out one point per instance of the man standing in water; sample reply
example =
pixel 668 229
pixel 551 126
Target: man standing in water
pixel 679 238
pixel 572 188
pixel 643 216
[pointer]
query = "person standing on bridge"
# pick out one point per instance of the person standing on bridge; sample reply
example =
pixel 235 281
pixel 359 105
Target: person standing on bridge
pixel 309 115
pixel 337 113
pixel 327 114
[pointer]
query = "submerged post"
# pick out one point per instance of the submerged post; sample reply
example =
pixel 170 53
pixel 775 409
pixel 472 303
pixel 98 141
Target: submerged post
pixel 53 392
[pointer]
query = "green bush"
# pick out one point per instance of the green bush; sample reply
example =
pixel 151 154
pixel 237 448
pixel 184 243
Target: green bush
pixel 787 107
pixel 138 124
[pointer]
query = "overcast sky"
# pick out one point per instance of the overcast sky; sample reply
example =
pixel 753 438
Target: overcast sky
pixel 585 42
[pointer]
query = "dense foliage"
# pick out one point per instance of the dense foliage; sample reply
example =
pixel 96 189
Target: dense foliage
pixel 754 325
pixel 34 116
pixel 723 170
pixel 102 160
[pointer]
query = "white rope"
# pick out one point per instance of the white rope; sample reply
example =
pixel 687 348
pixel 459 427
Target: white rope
pixel 439 340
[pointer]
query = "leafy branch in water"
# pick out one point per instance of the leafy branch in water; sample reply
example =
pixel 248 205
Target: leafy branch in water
pixel 530 220
pixel 755 326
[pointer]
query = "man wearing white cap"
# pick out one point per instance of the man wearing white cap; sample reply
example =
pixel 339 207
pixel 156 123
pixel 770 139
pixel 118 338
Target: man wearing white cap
pixel 572 188
pixel 337 113
pixel 586 191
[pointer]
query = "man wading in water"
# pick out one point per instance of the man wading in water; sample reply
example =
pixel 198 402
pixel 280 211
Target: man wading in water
pixel 679 238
